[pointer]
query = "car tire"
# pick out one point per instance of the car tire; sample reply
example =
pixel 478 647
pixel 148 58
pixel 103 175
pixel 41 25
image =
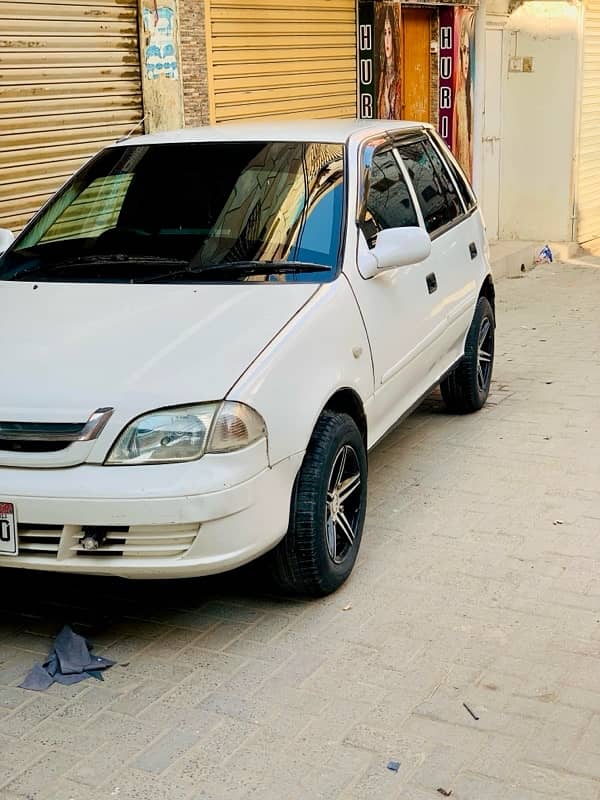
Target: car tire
pixel 466 388
pixel 327 512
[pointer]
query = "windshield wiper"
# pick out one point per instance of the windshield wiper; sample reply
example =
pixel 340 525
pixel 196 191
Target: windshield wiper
pixel 246 268
pixel 109 260
pixel 115 258
pixel 265 267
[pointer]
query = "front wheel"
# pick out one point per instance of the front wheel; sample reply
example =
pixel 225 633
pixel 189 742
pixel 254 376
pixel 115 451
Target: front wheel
pixel 328 511
pixel 467 388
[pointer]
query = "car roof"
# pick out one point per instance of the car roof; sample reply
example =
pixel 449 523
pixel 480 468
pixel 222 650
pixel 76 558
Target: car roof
pixel 303 130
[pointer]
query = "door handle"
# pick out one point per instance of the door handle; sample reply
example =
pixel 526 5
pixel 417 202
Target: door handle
pixel 473 250
pixel 431 282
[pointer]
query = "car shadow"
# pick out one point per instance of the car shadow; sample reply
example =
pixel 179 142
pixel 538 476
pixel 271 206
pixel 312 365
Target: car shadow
pixel 42 602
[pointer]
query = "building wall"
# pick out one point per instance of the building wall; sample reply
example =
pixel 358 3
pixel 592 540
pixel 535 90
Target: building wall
pixel 160 63
pixel 538 123
pixel 192 34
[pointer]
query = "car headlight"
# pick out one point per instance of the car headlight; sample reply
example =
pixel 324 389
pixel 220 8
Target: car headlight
pixel 187 433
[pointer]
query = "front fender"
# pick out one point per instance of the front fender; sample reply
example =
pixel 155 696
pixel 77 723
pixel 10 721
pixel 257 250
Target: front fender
pixel 322 349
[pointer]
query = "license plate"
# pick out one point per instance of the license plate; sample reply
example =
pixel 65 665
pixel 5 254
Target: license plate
pixel 8 530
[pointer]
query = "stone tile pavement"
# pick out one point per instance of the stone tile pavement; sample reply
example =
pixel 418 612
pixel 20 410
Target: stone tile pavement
pixel 478 585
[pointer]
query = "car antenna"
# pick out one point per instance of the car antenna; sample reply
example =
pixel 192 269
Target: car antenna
pixel 137 125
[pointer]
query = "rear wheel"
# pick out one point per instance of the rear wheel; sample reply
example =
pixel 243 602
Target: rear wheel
pixel 467 388
pixel 328 510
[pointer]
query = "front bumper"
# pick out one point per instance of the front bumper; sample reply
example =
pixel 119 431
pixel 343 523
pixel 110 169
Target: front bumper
pixel 158 521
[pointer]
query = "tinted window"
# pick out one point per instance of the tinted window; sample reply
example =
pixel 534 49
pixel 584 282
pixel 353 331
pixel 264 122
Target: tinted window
pixel 448 187
pixel 166 212
pixel 439 202
pixel 318 239
pixel 389 204
pixel 464 188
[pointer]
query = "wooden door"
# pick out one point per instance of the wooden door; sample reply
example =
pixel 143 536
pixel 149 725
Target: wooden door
pixel 416 83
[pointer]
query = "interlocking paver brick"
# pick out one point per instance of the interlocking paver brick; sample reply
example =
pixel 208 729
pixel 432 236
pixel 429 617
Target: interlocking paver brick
pixel 140 697
pixel 35 779
pixel 174 744
pixel 28 715
pixel 100 763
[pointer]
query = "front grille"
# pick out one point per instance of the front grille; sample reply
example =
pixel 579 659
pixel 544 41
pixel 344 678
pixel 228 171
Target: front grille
pixel 25 446
pixel 40 540
pixel 138 541
pixel 37 437
pixel 51 437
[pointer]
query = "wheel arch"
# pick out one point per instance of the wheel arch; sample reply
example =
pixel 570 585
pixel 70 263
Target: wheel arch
pixel 347 401
pixel 489 292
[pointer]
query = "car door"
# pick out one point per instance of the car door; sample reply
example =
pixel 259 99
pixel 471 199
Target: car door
pixel 394 304
pixel 453 265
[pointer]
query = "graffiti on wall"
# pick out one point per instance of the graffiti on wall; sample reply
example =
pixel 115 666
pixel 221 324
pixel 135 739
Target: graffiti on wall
pixel 457 74
pixel 160 54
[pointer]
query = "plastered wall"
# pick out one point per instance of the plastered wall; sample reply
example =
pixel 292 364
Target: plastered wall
pixel 539 122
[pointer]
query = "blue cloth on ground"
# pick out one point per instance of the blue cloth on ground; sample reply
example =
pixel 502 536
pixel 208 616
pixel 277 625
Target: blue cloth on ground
pixel 70 661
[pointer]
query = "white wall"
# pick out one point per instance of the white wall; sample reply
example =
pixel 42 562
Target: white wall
pixel 539 122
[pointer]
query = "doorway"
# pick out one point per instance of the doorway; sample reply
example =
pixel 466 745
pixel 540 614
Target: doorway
pixel 492 132
pixel 416 77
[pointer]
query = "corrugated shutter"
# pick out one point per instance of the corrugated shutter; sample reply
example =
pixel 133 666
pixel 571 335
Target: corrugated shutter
pixel 588 183
pixel 278 58
pixel 69 82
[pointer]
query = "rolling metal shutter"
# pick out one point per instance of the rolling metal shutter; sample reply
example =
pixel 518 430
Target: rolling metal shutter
pixel 69 82
pixel 588 181
pixel 276 58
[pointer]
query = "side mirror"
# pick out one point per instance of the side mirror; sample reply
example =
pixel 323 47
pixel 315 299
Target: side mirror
pixel 395 247
pixel 6 239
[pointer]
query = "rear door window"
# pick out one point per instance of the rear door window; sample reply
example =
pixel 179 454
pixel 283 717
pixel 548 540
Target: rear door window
pixel 464 188
pixel 436 194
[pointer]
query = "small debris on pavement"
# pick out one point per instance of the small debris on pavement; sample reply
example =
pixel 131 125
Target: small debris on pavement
pixel 544 255
pixel 393 766
pixel 347 608
pixel 558 522
pixel 475 717
pixel 69 661
pixel 445 792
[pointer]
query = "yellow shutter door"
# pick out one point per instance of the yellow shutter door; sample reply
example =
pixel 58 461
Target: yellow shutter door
pixel 588 183
pixel 280 58
pixel 69 83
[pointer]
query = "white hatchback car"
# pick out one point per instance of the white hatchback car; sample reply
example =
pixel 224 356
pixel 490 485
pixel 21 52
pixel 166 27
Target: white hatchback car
pixel 205 331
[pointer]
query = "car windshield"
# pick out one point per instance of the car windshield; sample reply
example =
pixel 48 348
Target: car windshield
pixel 191 212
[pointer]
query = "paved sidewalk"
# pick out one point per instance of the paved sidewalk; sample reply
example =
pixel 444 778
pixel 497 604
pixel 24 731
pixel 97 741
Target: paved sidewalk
pixel 478 586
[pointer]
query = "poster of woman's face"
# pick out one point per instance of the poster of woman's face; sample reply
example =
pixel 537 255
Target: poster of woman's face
pixel 462 122
pixel 388 58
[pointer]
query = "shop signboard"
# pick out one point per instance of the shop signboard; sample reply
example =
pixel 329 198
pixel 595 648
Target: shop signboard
pixel 379 59
pixel 456 81
pixel 366 63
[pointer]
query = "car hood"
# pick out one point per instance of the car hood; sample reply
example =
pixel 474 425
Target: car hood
pixel 69 349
